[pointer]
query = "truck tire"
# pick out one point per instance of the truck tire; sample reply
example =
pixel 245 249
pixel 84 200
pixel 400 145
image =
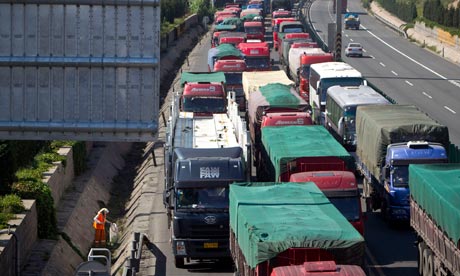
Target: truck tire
pixel 428 262
pixel 420 261
pixel 179 262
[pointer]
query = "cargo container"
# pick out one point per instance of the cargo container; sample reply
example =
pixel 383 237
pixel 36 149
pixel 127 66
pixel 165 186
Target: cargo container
pixel 293 149
pixel 435 217
pixel 288 224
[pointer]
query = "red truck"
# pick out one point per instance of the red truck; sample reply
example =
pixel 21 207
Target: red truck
pixel 280 14
pixel 203 93
pixel 320 268
pixel 233 70
pixel 341 189
pixel 288 27
pixel 276 25
pixel 233 38
pixel 272 98
pixel 286 119
pixel 285 45
pixel 308 58
pixel 256 55
pixel 254 30
pixel 276 225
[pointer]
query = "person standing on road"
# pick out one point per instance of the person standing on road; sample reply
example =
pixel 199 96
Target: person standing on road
pixel 99 225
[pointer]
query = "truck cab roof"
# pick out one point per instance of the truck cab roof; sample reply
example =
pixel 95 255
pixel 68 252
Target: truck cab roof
pixel 286 118
pixel 328 180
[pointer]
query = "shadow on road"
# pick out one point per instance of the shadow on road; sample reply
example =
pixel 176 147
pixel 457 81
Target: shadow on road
pixel 223 266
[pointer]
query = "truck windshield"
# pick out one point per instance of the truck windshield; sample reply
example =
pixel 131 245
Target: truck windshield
pixel 203 104
pixel 202 198
pixel 400 176
pixel 253 30
pixel 257 62
pixel 326 83
pixel 291 30
pixel 348 206
pixel 233 78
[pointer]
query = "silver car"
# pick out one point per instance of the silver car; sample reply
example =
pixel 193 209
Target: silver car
pixel 354 49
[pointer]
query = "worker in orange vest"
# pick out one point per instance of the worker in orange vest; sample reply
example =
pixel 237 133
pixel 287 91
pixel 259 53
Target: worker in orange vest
pixel 99 225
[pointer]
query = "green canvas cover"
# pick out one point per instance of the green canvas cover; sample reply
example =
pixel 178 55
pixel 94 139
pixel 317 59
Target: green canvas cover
pixel 249 17
pixel 284 144
pixel 202 77
pixel 232 21
pixel 273 95
pixel 379 126
pixel 436 188
pixel 221 28
pixel 270 219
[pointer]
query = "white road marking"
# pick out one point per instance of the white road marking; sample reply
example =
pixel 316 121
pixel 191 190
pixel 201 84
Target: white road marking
pixel 446 107
pixel 364 50
pixel 394 73
pixel 408 82
pixel 409 58
pixel 346 35
pixel 351 39
pixel 456 83
pixel 372 57
pixel 373 261
pixel 426 94
pixel 381 63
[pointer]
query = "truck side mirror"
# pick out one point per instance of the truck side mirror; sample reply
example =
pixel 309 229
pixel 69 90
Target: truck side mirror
pixel 386 172
pixel 272 62
pixel 318 87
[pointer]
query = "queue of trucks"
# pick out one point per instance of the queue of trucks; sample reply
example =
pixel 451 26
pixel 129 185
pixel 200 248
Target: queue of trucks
pixel 307 130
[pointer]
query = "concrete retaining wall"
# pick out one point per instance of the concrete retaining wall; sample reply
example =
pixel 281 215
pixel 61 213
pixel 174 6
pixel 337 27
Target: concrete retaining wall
pixel 60 177
pixel 440 35
pixel 88 193
pixel 169 39
pixel 26 231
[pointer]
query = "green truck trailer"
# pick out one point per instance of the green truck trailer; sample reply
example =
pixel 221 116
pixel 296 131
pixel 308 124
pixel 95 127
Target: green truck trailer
pixel 435 216
pixel 274 224
pixel 293 149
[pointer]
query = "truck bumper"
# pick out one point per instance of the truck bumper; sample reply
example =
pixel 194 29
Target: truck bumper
pixel 201 248
pixel 399 213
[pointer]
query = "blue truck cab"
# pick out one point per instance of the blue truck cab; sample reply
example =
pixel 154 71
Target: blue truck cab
pixel 393 195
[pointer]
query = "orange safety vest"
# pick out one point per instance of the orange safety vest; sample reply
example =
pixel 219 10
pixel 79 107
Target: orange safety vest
pixel 100 217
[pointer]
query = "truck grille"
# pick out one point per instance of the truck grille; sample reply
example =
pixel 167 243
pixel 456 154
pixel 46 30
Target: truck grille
pixel 206 231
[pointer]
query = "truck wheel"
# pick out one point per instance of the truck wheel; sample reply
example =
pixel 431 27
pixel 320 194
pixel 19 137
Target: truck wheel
pixel 428 262
pixel 421 247
pixel 179 262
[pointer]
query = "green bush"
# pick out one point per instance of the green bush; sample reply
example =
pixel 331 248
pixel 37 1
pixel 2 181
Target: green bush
pixel 29 189
pixel 11 204
pixel 201 8
pixel 79 157
pixel 4 218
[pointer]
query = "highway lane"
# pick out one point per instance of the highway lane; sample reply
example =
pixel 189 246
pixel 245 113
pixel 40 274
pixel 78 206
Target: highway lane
pixel 403 70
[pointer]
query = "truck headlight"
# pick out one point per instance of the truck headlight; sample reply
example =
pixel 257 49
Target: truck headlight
pixel 180 248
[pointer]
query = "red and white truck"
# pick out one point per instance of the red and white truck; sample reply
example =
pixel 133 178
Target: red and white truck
pixel 285 43
pixel 256 56
pixel 308 58
pixel 276 25
pixel 295 60
pixel 341 188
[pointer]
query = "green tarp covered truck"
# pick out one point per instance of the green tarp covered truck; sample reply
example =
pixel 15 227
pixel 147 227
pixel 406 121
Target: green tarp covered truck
pixel 271 223
pixel 292 149
pixel 435 216
pixel 389 138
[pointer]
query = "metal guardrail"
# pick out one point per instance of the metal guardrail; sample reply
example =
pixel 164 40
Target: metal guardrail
pixel 390 25
pixel 132 263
